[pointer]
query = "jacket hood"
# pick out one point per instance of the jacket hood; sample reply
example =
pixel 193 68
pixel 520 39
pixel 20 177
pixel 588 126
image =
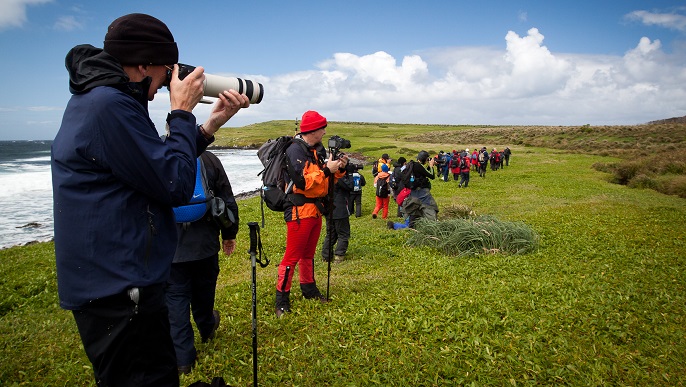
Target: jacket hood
pixel 90 67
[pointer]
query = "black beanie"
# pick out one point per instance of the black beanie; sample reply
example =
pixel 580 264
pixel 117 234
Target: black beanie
pixel 137 38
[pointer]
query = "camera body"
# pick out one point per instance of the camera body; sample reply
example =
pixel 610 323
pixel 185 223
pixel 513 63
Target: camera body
pixel 215 84
pixel 352 168
pixel 336 143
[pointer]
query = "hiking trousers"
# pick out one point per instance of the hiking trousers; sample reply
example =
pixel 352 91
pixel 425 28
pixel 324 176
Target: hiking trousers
pixel 355 204
pixel 128 343
pixel 302 237
pixel 191 287
pixel 382 203
pixel 340 234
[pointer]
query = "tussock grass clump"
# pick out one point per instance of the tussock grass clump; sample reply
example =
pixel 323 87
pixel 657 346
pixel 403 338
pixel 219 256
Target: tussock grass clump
pixel 660 171
pixel 479 235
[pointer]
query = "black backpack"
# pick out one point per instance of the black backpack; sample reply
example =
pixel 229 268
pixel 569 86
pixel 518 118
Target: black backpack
pixel 272 154
pixel 382 188
pixel 408 175
pixel 463 162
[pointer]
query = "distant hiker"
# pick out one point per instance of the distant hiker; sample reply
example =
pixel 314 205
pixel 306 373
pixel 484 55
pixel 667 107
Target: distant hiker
pixel 383 192
pixel 376 165
pixel 397 180
pixel 483 161
pixel 455 165
pixel 493 158
pixel 506 153
pixel 355 201
pixel 465 167
pixel 474 160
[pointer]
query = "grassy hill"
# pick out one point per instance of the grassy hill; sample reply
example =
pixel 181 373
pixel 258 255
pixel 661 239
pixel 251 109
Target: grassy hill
pixel 602 300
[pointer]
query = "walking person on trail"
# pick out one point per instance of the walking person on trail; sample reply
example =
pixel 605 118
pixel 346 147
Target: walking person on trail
pixel 483 161
pixel 465 167
pixel 383 193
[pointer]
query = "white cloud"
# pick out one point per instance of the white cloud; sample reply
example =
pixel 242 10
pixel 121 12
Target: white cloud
pixel 673 21
pixel 43 108
pixel 524 84
pixel 67 23
pixel 13 12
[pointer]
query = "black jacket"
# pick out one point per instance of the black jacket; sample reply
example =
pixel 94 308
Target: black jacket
pixel 200 239
pixel 421 175
pixel 341 196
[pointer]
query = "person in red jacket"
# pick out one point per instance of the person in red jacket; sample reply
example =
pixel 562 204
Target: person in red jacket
pixel 455 165
pixel 465 167
pixel 313 174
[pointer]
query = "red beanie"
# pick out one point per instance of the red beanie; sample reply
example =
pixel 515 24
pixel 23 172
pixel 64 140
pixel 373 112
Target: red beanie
pixel 312 121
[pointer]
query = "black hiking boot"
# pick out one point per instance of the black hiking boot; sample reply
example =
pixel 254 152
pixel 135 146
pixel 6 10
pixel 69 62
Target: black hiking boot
pixel 283 303
pixel 311 292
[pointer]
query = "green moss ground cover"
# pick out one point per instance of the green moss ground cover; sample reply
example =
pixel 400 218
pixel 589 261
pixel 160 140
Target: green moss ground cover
pixel 601 301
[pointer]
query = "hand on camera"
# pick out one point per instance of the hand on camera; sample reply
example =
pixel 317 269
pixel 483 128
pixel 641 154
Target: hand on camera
pixel 344 161
pixel 185 94
pixel 340 163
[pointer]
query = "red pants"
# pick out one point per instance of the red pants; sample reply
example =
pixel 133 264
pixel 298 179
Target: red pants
pixel 301 244
pixel 382 202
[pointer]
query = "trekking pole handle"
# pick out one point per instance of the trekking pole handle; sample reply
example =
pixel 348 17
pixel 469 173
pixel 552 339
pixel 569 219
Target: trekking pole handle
pixel 253 237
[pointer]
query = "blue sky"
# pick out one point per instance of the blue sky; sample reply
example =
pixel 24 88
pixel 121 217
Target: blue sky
pixel 487 62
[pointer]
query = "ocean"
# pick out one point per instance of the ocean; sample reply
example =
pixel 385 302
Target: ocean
pixel 26 187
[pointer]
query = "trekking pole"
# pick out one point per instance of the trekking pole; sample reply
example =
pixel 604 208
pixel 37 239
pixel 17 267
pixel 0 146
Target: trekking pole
pixel 255 244
pixel 329 232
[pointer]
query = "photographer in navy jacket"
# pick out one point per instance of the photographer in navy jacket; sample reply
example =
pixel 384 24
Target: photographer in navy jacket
pixel 114 184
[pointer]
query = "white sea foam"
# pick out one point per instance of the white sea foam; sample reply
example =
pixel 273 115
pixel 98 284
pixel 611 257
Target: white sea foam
pixel 26 193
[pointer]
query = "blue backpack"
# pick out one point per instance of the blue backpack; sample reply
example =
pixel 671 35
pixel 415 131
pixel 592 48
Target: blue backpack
pixel 200 201
pixel 356 182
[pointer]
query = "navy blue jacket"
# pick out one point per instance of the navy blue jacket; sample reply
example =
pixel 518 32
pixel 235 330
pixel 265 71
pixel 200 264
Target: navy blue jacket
pixel 115 182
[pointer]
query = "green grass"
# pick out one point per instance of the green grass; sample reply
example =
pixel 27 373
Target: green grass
pixel 602 301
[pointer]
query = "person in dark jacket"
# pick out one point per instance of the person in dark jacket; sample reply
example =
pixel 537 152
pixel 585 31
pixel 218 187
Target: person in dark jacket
pixel 483 161
pixel 115 182
pixel 355 200
pixel 423 171
pixel 313 173
pixel 397 178
pixel 194 270
pixel 464 162
pixel 338 224
pixel 494 159
pixel 506 155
